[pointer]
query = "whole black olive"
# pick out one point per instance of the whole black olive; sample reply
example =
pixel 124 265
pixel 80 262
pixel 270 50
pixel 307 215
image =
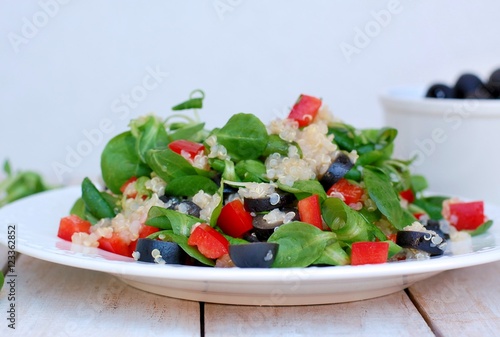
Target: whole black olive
pixel 440 91
pixel 493 83
pixel 471 86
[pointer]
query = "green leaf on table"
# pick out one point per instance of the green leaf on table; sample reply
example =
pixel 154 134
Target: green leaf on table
pixel 20 184
pixel 7 168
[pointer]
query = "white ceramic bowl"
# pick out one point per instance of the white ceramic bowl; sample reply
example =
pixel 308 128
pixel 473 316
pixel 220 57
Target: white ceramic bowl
pixel 455 142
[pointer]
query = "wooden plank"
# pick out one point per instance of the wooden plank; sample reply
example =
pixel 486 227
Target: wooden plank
pixel 55 300
pixel 462 302
pixel 392 315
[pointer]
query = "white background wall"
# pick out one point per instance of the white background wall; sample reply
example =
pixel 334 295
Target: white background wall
pixel 65 65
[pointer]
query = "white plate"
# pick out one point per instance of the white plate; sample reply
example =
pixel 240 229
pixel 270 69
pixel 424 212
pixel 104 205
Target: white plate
pixel 36 221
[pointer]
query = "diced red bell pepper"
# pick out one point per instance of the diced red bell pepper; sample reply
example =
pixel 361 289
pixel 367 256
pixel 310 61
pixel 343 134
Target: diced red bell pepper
pixel 115 244
pixel 466 215
pixel 305 110
pixel 144 231
pixel 367 252
pixel 408 195
pixel 392 237
pixel 72 224
pixel 210 243
pixel 352 193
pixel 189 147
pixel 125 185
pixel 310 211
pixel 234 220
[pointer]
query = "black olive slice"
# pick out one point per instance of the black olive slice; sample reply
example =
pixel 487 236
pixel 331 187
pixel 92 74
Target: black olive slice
pixel 337 170
pixel 435 225
pixel 188 207
pixel 253 255
pixel 251 237
pixel 275 200
pixel 263 229
pixel 170 201
pixel 150 250
pixel 424 241
pixel 228 189
pixel 181 205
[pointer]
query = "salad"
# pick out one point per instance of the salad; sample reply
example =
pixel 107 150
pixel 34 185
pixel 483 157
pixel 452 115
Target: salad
pixel 305 190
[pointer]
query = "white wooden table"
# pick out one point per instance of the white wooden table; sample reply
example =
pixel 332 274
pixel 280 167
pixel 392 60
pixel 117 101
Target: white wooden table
pixel 55 300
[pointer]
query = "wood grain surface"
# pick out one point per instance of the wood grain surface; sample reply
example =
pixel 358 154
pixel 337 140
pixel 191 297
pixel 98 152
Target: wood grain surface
pixel 55 300
pixel 462 302
pixel 392 315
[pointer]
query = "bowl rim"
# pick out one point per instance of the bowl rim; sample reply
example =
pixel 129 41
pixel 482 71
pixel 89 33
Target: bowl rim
pixel 410 100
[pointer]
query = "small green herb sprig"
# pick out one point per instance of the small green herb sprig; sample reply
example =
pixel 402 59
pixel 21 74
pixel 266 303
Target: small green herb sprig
pixel 19 184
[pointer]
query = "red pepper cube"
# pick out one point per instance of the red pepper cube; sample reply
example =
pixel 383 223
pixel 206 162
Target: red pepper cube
pixel 305 110
pixel 234 220
pixel 210 243
pixel 144 231
pixel 115 244
pixel 367 252
pixel 182 147
pixel 467 215
pixel 393 237
pixel 310 211
pixel 351 193
pixel 407 195
pixel 72 224
pixel 126 184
